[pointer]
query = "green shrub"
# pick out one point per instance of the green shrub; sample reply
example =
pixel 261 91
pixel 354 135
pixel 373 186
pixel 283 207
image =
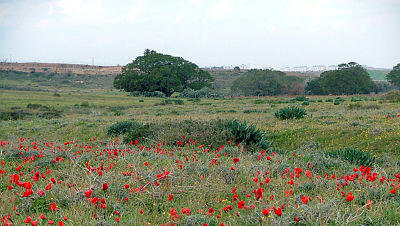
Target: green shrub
pixel 301 98
pixel 320 100
pixel 392 96
pixel 147 94
pixel 305 103
pixel 33 106
pixel 202 93
pixel 85 104
pixel 138 131
pixel 358 106
pixel 174 101
pixel 14 115
pixel 355 99
pixel 352 155
pixel 213 132
pixel 49 112
pixel 329 100
pixel 120 128
pixel 251 111
pixel 290 113
pixel 249 135
pixel 259 101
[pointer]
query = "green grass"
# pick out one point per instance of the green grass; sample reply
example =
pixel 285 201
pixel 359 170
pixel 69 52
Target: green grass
pixel 195 182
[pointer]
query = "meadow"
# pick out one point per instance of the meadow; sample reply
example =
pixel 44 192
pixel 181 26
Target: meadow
pixel 337 165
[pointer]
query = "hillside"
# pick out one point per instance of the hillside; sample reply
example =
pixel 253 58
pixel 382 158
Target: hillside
pixel 54 76
pixel 61 68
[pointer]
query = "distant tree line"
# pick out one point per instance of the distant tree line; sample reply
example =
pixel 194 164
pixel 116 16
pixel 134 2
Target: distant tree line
pixel 267 83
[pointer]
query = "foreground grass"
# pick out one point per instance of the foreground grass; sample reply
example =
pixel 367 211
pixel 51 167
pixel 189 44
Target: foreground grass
pixel 192 184
pixel 209 184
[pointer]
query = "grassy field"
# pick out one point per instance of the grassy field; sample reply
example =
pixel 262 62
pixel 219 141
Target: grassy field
pixel 303 178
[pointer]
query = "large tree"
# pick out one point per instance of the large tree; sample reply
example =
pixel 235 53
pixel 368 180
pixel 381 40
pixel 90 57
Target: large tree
pixel 394 75
pixel 160 72
pixel 350 78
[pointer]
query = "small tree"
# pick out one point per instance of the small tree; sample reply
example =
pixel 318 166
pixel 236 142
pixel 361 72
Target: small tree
pixel 160 72
pixel 394 75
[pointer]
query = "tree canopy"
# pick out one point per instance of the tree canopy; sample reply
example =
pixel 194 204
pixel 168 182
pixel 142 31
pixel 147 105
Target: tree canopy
pixel 350 78
pixel 160 72
pixel 266 83
pixel 394 75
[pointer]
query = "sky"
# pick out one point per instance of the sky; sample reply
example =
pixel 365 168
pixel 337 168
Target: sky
pixel 256 33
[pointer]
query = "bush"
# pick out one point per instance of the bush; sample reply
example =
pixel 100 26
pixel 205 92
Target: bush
pixel 49 112
pixel 138 131
pixel 85 104
pixel 202 93
pixel 249 135
pixel 251 111
pixel 301 98
pixel 305 103
pixel 33 106
pixel 259 101
pixel 173 101
pixel 14 115
pixel 290 113
pixel 359 106
pixel 353 156
pixel 120 128
pixel 392 96
pixel 215 133
pixel 147 94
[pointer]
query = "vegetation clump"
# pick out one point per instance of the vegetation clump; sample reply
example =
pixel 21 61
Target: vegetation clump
pixel 353 155
pixel 350 78
pixel 266 83
pixel 291 112
pixel 120 128
pixel 205 92
pixel 392 96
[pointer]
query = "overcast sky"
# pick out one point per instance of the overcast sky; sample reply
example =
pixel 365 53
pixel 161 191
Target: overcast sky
pixel 207 32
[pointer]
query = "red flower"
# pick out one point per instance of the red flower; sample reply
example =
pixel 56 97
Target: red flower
pixel 28 219
pixel 235 160
pixel 88 193
pixel 304 199
pixel 393 191
pixel 40 192
pixel 126 186
pixel 265 212
pixel 53 207
pixel 170 196
pixel 241 204
pixel 278 211
pixel 117 219
pixel 105 186
pixel 349 197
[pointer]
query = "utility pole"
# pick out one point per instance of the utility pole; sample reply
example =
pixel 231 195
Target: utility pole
pixel 92 61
